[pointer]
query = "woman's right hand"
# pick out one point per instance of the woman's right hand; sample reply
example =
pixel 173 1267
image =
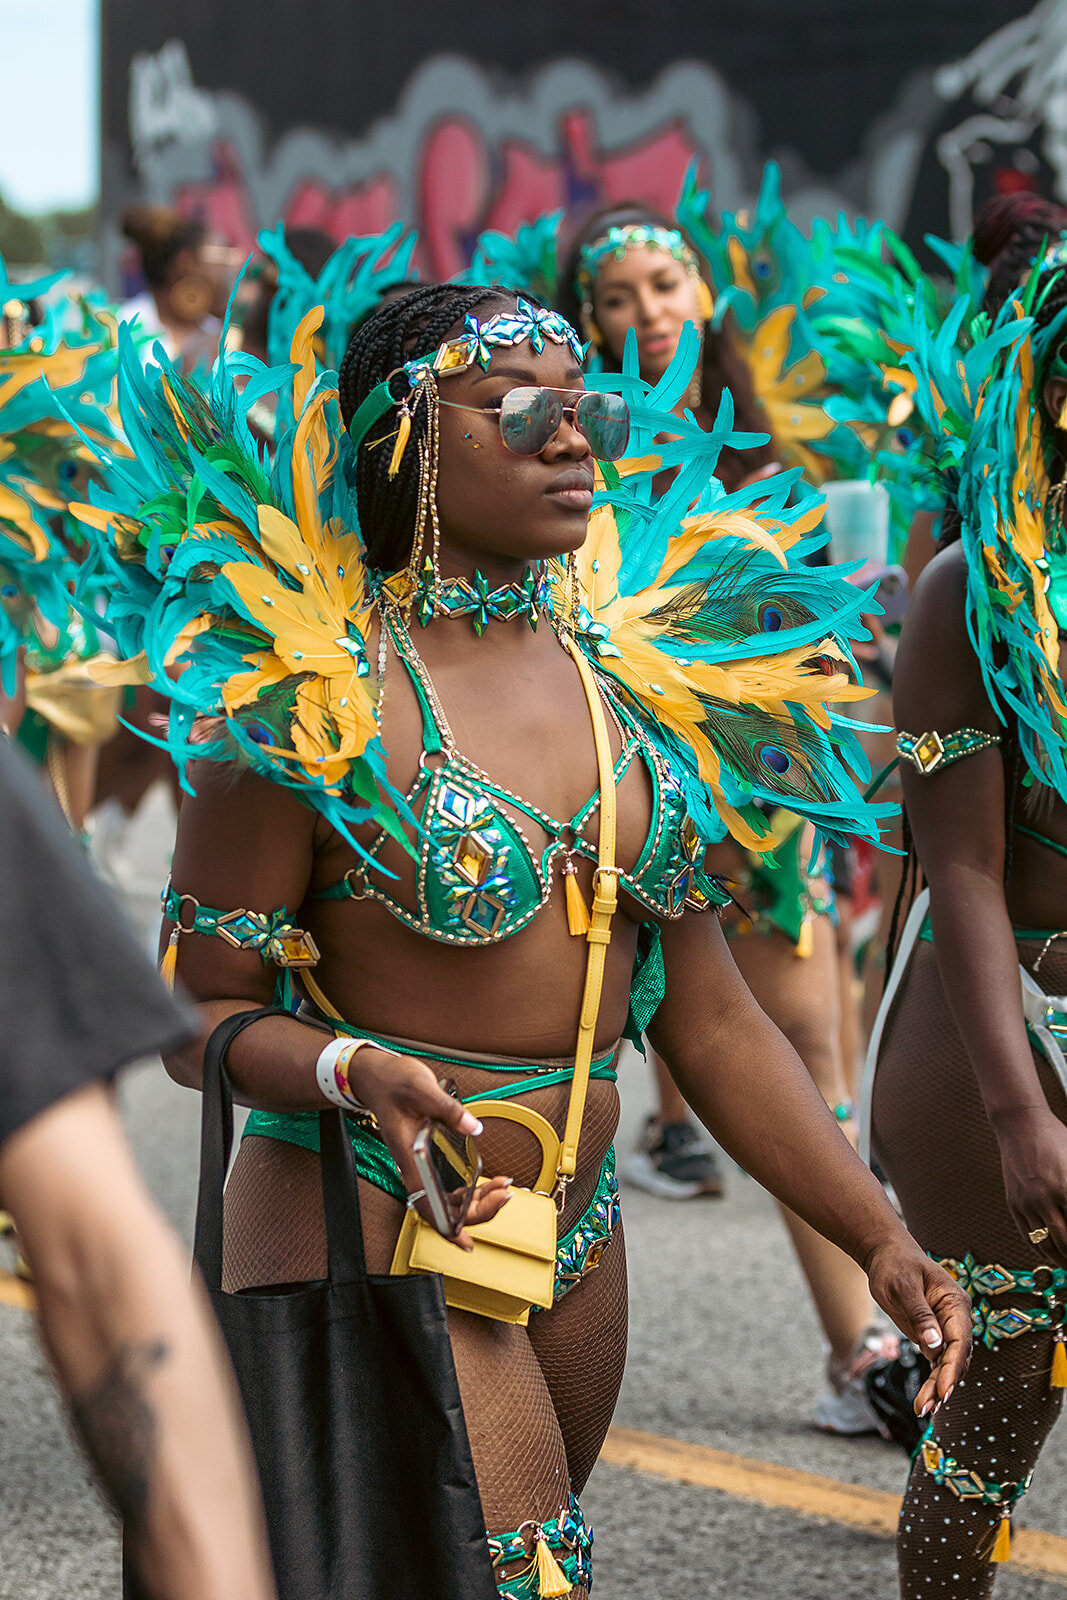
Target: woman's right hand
pixel 1033 1155
pixel 403 1093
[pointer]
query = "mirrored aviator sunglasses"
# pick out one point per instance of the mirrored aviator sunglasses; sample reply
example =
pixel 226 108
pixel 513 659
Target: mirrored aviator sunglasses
pixel 529 418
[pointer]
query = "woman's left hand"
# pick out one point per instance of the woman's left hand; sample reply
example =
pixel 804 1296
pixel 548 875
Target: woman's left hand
pixel 928 1306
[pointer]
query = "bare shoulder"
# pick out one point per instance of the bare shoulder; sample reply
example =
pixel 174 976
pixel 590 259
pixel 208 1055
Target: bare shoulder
pixel 937 680
pixel 239 829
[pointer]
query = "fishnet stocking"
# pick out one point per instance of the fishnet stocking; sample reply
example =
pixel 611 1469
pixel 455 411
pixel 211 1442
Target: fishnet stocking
pixel 995 1423
pixel 537 1403
pixel 933 1140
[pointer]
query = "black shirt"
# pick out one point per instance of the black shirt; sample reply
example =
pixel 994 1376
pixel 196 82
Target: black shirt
pixel 78 997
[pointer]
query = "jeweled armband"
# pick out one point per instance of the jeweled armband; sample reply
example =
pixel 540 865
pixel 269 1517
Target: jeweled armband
pixel 270 933
pixel 929 752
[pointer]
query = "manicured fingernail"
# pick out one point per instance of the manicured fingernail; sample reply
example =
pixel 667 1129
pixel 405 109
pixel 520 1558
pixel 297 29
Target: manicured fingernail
pixel 927 1408
pixel 948 1394
pixel 932 1339
pixel 469 1124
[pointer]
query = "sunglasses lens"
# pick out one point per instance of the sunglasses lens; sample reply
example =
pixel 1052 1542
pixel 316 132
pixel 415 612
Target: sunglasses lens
pixel 604 419
pixel 528 420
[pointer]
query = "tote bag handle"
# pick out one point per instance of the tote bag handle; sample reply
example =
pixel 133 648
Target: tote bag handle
pixel 340 1194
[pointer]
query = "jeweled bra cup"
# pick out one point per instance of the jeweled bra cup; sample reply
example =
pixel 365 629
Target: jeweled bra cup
pixel 478 879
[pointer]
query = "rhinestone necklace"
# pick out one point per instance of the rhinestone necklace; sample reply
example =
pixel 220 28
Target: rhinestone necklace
pixel 472 597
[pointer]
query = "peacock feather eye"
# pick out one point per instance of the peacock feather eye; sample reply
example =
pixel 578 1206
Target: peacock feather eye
pixel 904 437
pixel 762 265
pixel 9 591
pixel 775 759
pixel 771 618
pixel 259 733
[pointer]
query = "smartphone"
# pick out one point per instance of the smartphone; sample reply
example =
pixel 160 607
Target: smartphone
pixel 449 1167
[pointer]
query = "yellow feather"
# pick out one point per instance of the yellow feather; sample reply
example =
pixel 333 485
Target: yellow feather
pixel 302 352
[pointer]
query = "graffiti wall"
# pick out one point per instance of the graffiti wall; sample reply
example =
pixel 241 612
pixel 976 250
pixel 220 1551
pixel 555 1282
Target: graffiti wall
pixel 460 116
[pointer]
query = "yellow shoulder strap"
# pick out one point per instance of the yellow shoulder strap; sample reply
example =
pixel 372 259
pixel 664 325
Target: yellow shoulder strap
pixel 605 898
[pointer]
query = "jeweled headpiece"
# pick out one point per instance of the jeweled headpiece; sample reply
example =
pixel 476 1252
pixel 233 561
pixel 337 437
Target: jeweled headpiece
pixel 1055 256
pixel 478 340
pixel 617 241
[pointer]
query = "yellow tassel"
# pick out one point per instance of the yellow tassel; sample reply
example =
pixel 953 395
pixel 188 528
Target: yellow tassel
pixel 551 1578
pixel 577 910
pixel 1058 1377
pixel 1001 1550
pixel 806 942
pixel 402 434
pixel 169 965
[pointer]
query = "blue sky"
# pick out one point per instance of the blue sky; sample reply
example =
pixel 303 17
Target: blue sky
pixel 49 140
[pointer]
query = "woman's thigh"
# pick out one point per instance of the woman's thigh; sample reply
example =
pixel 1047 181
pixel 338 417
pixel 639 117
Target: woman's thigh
pixel 275 1233
pixel 580 1346
pixel 801 995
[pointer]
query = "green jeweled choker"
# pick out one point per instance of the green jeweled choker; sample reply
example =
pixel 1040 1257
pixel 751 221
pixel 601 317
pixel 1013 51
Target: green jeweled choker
pixel 472 597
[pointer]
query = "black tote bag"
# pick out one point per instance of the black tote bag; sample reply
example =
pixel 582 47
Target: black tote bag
pixel 351 1396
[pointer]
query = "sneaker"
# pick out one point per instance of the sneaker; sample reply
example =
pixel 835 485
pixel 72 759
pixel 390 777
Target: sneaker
pixel 891 1389
pixel 674 1161
pixel 844 1406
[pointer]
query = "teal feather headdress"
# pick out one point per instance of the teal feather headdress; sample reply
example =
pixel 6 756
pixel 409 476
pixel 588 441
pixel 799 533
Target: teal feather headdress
pixel 356 276
pixel 983 406
pixel 527 262
pixel 865 324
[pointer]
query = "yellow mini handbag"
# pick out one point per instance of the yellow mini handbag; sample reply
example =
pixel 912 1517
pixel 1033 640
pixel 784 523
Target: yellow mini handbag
pixel 513 1264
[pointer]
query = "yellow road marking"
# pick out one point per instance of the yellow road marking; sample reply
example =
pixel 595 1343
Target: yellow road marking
pixel 13 1292
pixel 747 1478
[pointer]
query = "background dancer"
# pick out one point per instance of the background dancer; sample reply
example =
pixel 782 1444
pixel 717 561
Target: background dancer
pixel 969 1102
pixel 630 268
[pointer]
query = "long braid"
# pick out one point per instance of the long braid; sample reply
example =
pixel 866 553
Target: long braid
pixel 414 324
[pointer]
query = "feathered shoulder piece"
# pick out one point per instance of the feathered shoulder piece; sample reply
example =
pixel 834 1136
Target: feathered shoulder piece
pixel 61 367
pixel 351 284
pixel 865 321
pixel 526 260
pixel 734 650
pixel 985 406
pixel 236 580
pixel 764 272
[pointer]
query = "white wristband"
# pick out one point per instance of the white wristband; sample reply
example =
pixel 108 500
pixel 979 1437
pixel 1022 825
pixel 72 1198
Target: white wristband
pixel 326 1077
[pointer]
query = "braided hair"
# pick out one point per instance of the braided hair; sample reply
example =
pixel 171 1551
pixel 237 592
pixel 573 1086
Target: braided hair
pixel 412 325
pixel 1010 230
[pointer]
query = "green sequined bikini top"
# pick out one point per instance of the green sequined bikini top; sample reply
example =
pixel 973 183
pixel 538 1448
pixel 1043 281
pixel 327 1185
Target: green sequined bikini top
pixel 478 878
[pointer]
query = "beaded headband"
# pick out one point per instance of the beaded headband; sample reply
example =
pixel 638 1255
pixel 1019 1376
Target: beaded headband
pixel 632 235
pixel 1055 256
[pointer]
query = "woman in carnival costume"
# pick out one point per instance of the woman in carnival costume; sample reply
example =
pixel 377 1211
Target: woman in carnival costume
pixel 969 1035
pixel 60 704
pixel 414 750
pixel 629 268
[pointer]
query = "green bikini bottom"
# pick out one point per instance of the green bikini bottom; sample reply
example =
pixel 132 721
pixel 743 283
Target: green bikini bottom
pixel 578 1250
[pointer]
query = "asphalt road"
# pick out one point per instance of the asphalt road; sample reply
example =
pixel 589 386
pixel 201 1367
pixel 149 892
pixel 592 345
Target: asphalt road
pixel 724 1352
